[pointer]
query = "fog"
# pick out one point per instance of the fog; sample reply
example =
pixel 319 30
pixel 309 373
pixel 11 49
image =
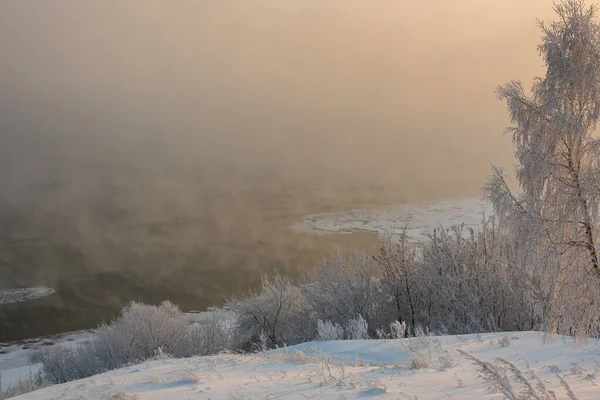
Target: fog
pixel 148 143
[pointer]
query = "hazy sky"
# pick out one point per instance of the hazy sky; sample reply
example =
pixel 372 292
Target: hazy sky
pixel 393 91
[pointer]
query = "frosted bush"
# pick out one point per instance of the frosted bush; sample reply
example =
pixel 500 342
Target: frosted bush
pixel 263 341
pixel 329 331
pixel 124 396
pixel 418 361
pixel 398 329
pixel 279 310
pixel 210 337
pixel 418 331
pixel 137 335
pixel 29 383
pixel 342 286
pixel 446 361
pixel 357 329
pixel 381 334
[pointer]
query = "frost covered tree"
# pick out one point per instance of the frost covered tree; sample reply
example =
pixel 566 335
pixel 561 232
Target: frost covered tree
pixel 556 210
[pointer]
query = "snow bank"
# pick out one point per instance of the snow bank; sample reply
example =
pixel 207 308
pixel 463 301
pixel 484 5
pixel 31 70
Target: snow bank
pixel 353 370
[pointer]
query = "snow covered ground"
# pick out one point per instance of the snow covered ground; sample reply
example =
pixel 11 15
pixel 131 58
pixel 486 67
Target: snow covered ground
pixel 378 369
pixel 23 294
pixel 420 218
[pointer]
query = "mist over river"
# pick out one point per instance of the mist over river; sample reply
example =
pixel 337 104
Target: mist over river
pixel 154 149
pixel 194 250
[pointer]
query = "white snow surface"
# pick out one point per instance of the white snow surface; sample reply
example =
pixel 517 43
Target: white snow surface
pixel 8 296
pixel 376 369
pixel 421 219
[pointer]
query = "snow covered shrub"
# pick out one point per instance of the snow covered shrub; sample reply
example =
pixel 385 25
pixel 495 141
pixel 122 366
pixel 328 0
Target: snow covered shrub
pixel 135 336
pixel 343 286
pixel 123 396
pixel 57 364
pixel 475 281
pixel 279 310
pixel 142 329
pixel 381 334
pixel 263 341
pixel 398 329
pixel 209 337
pixel 419 332
pixel 418 361
pixel 26 384
pixel 504 342
pixel 400 269
pixel 329 331
pixel 446 361
pixel 357 329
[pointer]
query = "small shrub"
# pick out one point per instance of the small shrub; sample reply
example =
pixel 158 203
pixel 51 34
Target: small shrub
pixel 398 329
pixel 504 342
pixel 419 332
pixel 209 337
pixel 124 396
pixel 280 310
pixel 357 329
pixel 329 331
pixel 262 341
pixel 56 364
pixel 381 334
pixel 418 361
pixel 29 383
pixel 142 332
pixel 446 361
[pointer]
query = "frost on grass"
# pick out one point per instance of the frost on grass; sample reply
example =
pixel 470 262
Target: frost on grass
pixel 418 361
pixel 507 378
pixel 504 342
